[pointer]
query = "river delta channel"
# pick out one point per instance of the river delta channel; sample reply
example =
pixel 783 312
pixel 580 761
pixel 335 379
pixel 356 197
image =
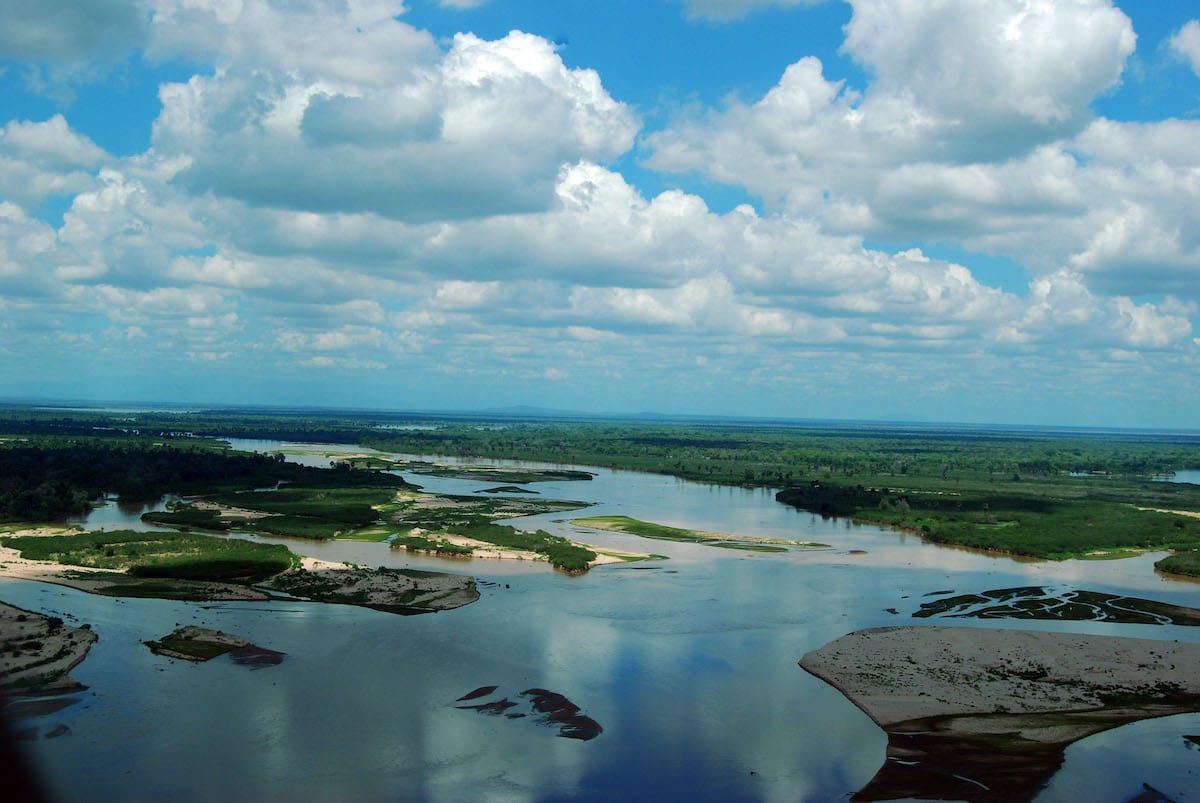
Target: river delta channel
pixel 689 665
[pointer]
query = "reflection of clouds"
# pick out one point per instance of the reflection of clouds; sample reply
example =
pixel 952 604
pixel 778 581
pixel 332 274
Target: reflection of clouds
pixel 690 667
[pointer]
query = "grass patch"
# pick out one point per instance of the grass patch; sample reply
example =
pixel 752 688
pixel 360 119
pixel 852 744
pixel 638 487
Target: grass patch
pixel 196 649
pixel 1185 563
pixel 180 556
pixel 432 546
pixel 561 553
pixel 374 535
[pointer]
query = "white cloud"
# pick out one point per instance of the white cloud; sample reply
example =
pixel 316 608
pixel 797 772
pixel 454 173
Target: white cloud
pixel 1013 72
pixel 27 252
pixel 43 159
pixel 1186 43
pixel 956 83
pixel 482 130
pixel 340 192
pixel 975 129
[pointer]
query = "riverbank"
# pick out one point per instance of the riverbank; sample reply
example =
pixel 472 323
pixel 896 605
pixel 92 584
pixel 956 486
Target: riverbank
pixel 395 590
pixel 985 714
pixel 37 652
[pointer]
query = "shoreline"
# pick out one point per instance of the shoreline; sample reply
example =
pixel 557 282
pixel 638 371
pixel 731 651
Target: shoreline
pixel 393 590
pixel 969 708
pixel 38 652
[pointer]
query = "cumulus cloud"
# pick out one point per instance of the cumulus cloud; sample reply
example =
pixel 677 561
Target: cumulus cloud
pixel 966 82
pixel 43 159
pixel 975 128
pixel 1010 73
pixel 337 190
pixel 1186 43
pixel 481 130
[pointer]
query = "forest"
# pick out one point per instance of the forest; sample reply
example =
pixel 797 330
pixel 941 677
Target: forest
pixel 1049 493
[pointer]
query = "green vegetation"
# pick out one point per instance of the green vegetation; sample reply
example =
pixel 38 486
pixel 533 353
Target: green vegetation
pixel 54 478
pixel 191 648
pixel 663 532
pixel 433 546
pixel 1055 522
pixel 1185 563
pixel 561 553
pixel 1038 492
pixel 179 556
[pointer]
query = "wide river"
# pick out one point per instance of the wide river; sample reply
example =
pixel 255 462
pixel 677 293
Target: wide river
pixel 689 665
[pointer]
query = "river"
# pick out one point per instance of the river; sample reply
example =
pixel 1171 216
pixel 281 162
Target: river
pixel 689 665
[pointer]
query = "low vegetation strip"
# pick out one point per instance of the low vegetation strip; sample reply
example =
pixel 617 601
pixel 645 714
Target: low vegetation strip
pixel 663 532
pixel 182 556
pixel 1186 563
pixel 561 553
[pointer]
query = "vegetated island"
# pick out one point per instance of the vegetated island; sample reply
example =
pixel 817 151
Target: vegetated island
pixel 200 644
pixel 663 532
pixel 38 652
pixel 1046 493
pixel 196 567
pixel 981 714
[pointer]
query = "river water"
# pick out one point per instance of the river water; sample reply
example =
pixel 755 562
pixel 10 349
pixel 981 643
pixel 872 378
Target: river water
pixel 689 665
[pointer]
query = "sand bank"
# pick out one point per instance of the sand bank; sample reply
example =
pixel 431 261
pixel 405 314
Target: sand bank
pixel 37 652
pixel 104 581
pixel 982 714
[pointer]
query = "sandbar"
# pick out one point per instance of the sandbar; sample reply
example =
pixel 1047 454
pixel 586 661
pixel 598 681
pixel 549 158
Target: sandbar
pixel 984 714
pixel 38 652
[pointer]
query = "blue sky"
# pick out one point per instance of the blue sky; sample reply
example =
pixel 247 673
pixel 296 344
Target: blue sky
pixel 980 211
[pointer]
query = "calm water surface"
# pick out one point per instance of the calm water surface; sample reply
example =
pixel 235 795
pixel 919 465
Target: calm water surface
pixel 688 664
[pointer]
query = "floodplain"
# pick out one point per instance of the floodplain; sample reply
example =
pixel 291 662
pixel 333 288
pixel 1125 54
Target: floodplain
pixel 672 656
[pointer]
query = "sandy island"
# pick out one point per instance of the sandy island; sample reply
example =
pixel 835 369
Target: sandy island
pixel 488 551
pixel 396 590
pixel 96 581
pixel 38 652
pixel 982 714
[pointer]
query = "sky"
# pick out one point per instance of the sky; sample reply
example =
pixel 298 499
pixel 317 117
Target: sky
pixel 975 211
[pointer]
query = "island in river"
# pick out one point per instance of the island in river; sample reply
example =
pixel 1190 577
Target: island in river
pixel 575 617
pixel 37 652
pixel 208 568
pixel 981 714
